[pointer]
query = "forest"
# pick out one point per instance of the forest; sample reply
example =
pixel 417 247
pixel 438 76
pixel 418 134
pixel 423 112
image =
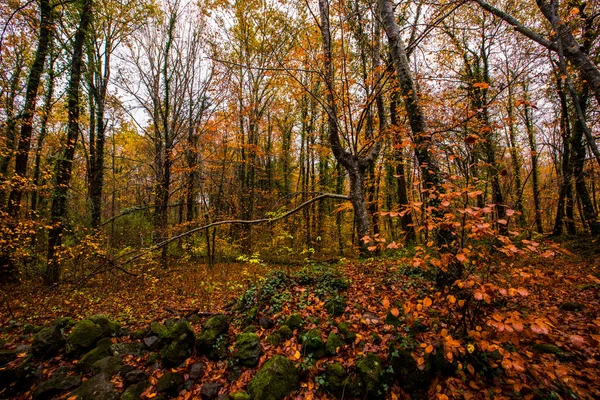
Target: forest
pixel 316 199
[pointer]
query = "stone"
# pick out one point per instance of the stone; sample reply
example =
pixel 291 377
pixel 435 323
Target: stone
pixel 108 327
pixel 336 379
pixel 276 379
pixel 209 341
pixel 194 318
pixel 83 338
pixel 135 376
pixel 247 349
pixel 312 344
pixel 571 306
pixel 370 370
pixel 98 387
pixel 294 321
pixel 64 322
pixel 134 392
pixel 94 355
pixel 121 349
pixel 152 342
pixel 250 328
pixel 55 386
pixel 152 359
pixel 180 339
pixel 7 356
pixel 349 336
pixel 266 322
pixel 210 391
pixel 109 365
pixel 336 305
pixel 546 348
pixel 285 332
pixel 197 370
pixel 47 342
pixel 274 339
pixel 169 384
pixel 239 396
pixel 412 379
pixel 333 343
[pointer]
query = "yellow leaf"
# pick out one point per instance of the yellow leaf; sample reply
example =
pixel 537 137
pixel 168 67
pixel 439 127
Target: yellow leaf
pixel 451 299
pixel 297 355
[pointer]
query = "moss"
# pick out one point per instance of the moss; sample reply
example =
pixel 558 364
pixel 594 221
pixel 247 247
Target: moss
pixel 370 370
pixel 247 349
pixel 109 328
pixel 274 339
pixel 110 365
pixel 64 322
pixel 239 396
pixel 47 342
pixel 294 321
pixel 157 329
pixel 169 383
pixel 84 336
pixel 96 354
pixel 134 392
pixel 336 305
pixel 547 348
pixel 55 386
pixel 275 380
pixel 285 332
pixel 333 343
pixel 349 336
pixel 406 371
pixel 212 329
pixel 98 387
pixel 250 328
pixel 312 345
pixel 180 339
pixel 335 379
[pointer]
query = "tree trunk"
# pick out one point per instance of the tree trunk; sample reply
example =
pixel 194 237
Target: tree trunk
pixel 64 165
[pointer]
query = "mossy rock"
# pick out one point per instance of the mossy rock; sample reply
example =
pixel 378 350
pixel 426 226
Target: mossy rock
pixel 285 332
pixel 98 387
pixel 47 342
pixel 547 348
pixel 84 337
pixel 294 321
pixel 29 329
pixel 110 365
pixel 335 379
pixel 157 329
pixel 336 305
pixel 275 380
pixel 7 356
pixel 349 336
pixel 134 392
pixel 99 352
pixel 312 344
pixel 274 339
pixel 247 349
pixel 64 322
pixel 210 339
pixel 239 396
pixel 406 371
pixel 250 328
pixel 153 358
pixel 180 339
pixel 333 343
pixel 55 386
pixel 370 370
pixel 121 349
pixel 169 383
pixel 109 328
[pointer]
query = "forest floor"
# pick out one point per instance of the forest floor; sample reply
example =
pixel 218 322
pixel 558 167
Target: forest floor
pixel 531 329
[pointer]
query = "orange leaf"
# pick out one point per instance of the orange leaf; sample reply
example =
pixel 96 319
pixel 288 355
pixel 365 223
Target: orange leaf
pixel 386 303
pixel 395 312
pixel 427 302
pixel 428 349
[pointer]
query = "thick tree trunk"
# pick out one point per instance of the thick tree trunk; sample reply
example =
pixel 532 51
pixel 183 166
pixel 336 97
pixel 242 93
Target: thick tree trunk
pixel 33 83
pixel 535 180
pixel 64 165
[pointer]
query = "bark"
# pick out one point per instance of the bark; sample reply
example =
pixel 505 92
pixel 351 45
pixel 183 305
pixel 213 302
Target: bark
pixel 33 83
pixel 535 180
pixel 64 165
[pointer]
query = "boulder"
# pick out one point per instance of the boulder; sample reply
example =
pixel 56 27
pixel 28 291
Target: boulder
pixel 312 344
pixel 209 342
pixel 370 370
pixel 285 332
pixel 169 384
pixel 121 349
pixel 55 386
pixel 333 343
pixel 83 338
pixel 196 371
pixel 336 305
pixel 349 336
pixel 47 342
pixel 98 387
pixel 7 356
pixel 180 340
pixel 152 342
pixel 99 352
pixel 247 349
pixel 412 379
pixel 294 321
pixel 135 376
pixel 210 391
pixel 134 392
pixel 335 379
pixel 109 365
pixel 274 339
pixel 266 322
pixel 108 327
pixel 276 379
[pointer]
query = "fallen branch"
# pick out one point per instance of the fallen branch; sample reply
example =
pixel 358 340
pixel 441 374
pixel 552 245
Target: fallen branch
pixel 229 222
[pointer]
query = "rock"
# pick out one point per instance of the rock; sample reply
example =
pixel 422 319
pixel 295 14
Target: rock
pixel 266 322
pixel 413 380
pixel 210 391
pixel 370 370
pixel 180 339
pixel 247 349
pixel 344 328
pixel 55 386
pixel 285 332
pixel 275 380
pixel 83 338
pixel 152 359
pixel 212 331
pixel 47 342
pixel 108 327
pixel 152 342
pixel 571 306
pixel 135 376
pixel 170 322
pixel 333 343
pixel 121 349
pixel 169 384
pixel 336 379
pixel 98 387
pixel 239 396
pixel 250 328
pixel 312 344
pixel 390 319
pixel 235 371
pixel 28 329
pixel 194 318
pixel 64 322
pixel 134 392
pixel 197 371
pixel 94 355
pixel 109 365
pixel 294 321
pixel 336 305
pixel 6 356
pixel 546 348
pixel 274 339
pixel 157 329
